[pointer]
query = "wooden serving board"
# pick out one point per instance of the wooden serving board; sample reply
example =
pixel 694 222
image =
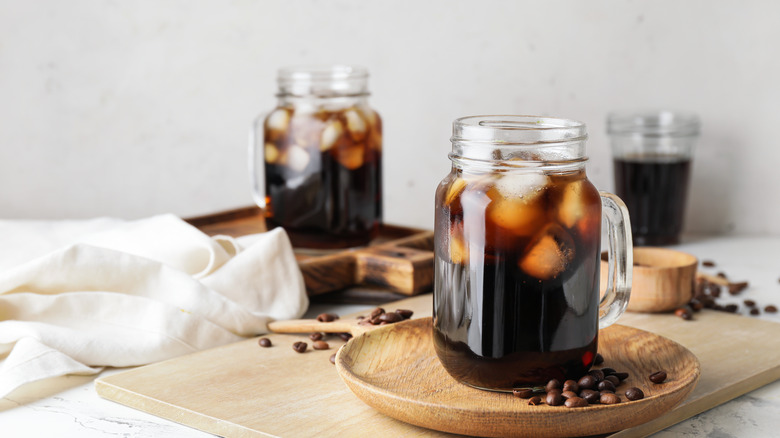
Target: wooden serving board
pixel 400 259
pixel 243 390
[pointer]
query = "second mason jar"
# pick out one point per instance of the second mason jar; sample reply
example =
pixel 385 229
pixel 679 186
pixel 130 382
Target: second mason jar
pixel 517 253
pixel 316 160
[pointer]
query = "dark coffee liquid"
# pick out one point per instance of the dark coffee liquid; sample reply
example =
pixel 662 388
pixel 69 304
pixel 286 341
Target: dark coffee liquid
pixel 503 320
pixel 654 189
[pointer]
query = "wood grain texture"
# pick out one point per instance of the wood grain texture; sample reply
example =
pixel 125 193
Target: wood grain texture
pixel 245 390
pixel 395 370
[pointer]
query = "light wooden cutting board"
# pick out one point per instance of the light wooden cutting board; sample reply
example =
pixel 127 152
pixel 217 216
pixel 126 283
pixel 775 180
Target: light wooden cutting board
pixel 243 390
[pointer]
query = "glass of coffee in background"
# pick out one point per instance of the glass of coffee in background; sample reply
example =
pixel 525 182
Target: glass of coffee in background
pixel 652 153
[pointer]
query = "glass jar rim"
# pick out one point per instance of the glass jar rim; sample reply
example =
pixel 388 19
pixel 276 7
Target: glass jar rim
pixel 653 123
pixel 517 130
pixel 323 80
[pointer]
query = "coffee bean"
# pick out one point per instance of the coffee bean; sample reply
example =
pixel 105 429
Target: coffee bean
pixel 606 385
pixel 770 309
pixel 390 317
pixel 576 402
pixel 406 314
pixel 754 311
pixel 715 291
pixel 345 336
pixel 657 377
pixel 327 317
pixel 333 358
pixel 684 313
pixel 598 360
pixel 300 347
pixel 608 371
pixel 320 345
pixel 695 304
pixel 708 263
pixel 554 399
pixel 721 275
pixel 535 401
pixel 597 374
pixel 621 376
pixel 750 303
pixel 316 336
pixel 735 288
pixel 264 342
pixel 731 308
pixel 554 391
pixel 609 398
pixel 523 393
pixel 606 392
pixel 615 381
pixel 590 396
pixel 587 382
pixel 634 393
pixel 553 384
pixel 568 394
pixel 571 385
pixel 376 312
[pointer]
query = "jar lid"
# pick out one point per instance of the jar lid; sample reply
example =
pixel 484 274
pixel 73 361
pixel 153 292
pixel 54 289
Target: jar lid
pixel 651 123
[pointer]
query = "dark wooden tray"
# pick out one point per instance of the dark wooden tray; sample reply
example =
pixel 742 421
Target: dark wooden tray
pixel 400 259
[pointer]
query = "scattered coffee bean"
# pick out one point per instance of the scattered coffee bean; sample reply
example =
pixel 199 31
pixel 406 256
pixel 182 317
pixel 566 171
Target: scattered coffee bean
pixel 754 311
pixel 615 381
pixel 609 398
pixel 300 347
pixel 554 399
pixel 568 394
pixel 621 376
pixel 608 371
pixel 695 304
pixel 721 275
pixel 535 401
pixel 345 336
pixel 770 309
pixel 606 385
pixel 657 377
pixel 333 358
pixel 553 384
pixel 264 342
pixel 634 393
pixel 587 382
pixel 571 385
pixel 406 314
pixel 390 317
pixel 735 288
pixel 715 291
pixel 590 396
pixel 750 303
pixel 708 263
pixel 327 317
pixel 598 360
pixel 320 345
pixel 576 402
pixel 316 336
pixel 376 312
pixel 684 313
pixel 554 391
pixel 523 393
pixel 597 374
pixel 731 308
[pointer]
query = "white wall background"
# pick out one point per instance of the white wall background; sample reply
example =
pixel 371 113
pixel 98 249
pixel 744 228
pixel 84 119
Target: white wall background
pixel 132 108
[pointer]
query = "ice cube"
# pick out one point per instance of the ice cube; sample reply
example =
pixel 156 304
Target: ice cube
pixel 516 204
pixel 548 255
pixel 278 120
pixel 525 185
pixel 571 208
pixel 330 135
pixel 306 130
pixel 356 125
pixel 375 123
pixel 271 153
pixel 297 158
pixel 458 254
pixel 351 156
pixel 455 189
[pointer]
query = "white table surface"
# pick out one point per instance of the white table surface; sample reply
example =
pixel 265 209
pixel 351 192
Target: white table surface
pixel 69 406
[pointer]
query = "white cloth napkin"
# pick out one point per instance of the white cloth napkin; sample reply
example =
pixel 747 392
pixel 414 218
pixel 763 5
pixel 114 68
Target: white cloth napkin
pixel 76 296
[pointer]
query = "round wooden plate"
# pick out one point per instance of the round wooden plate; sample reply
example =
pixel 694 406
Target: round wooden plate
pixel 395 370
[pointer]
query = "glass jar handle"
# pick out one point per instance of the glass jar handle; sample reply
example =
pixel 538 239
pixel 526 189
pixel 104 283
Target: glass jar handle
pixel 621 260
pixel 257 160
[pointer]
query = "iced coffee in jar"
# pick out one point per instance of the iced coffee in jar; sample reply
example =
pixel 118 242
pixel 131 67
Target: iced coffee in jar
pixel 517 252
pixel 316 160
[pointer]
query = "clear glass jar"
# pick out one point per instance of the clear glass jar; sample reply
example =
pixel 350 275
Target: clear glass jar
pixel 316 160
pixel 517 254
